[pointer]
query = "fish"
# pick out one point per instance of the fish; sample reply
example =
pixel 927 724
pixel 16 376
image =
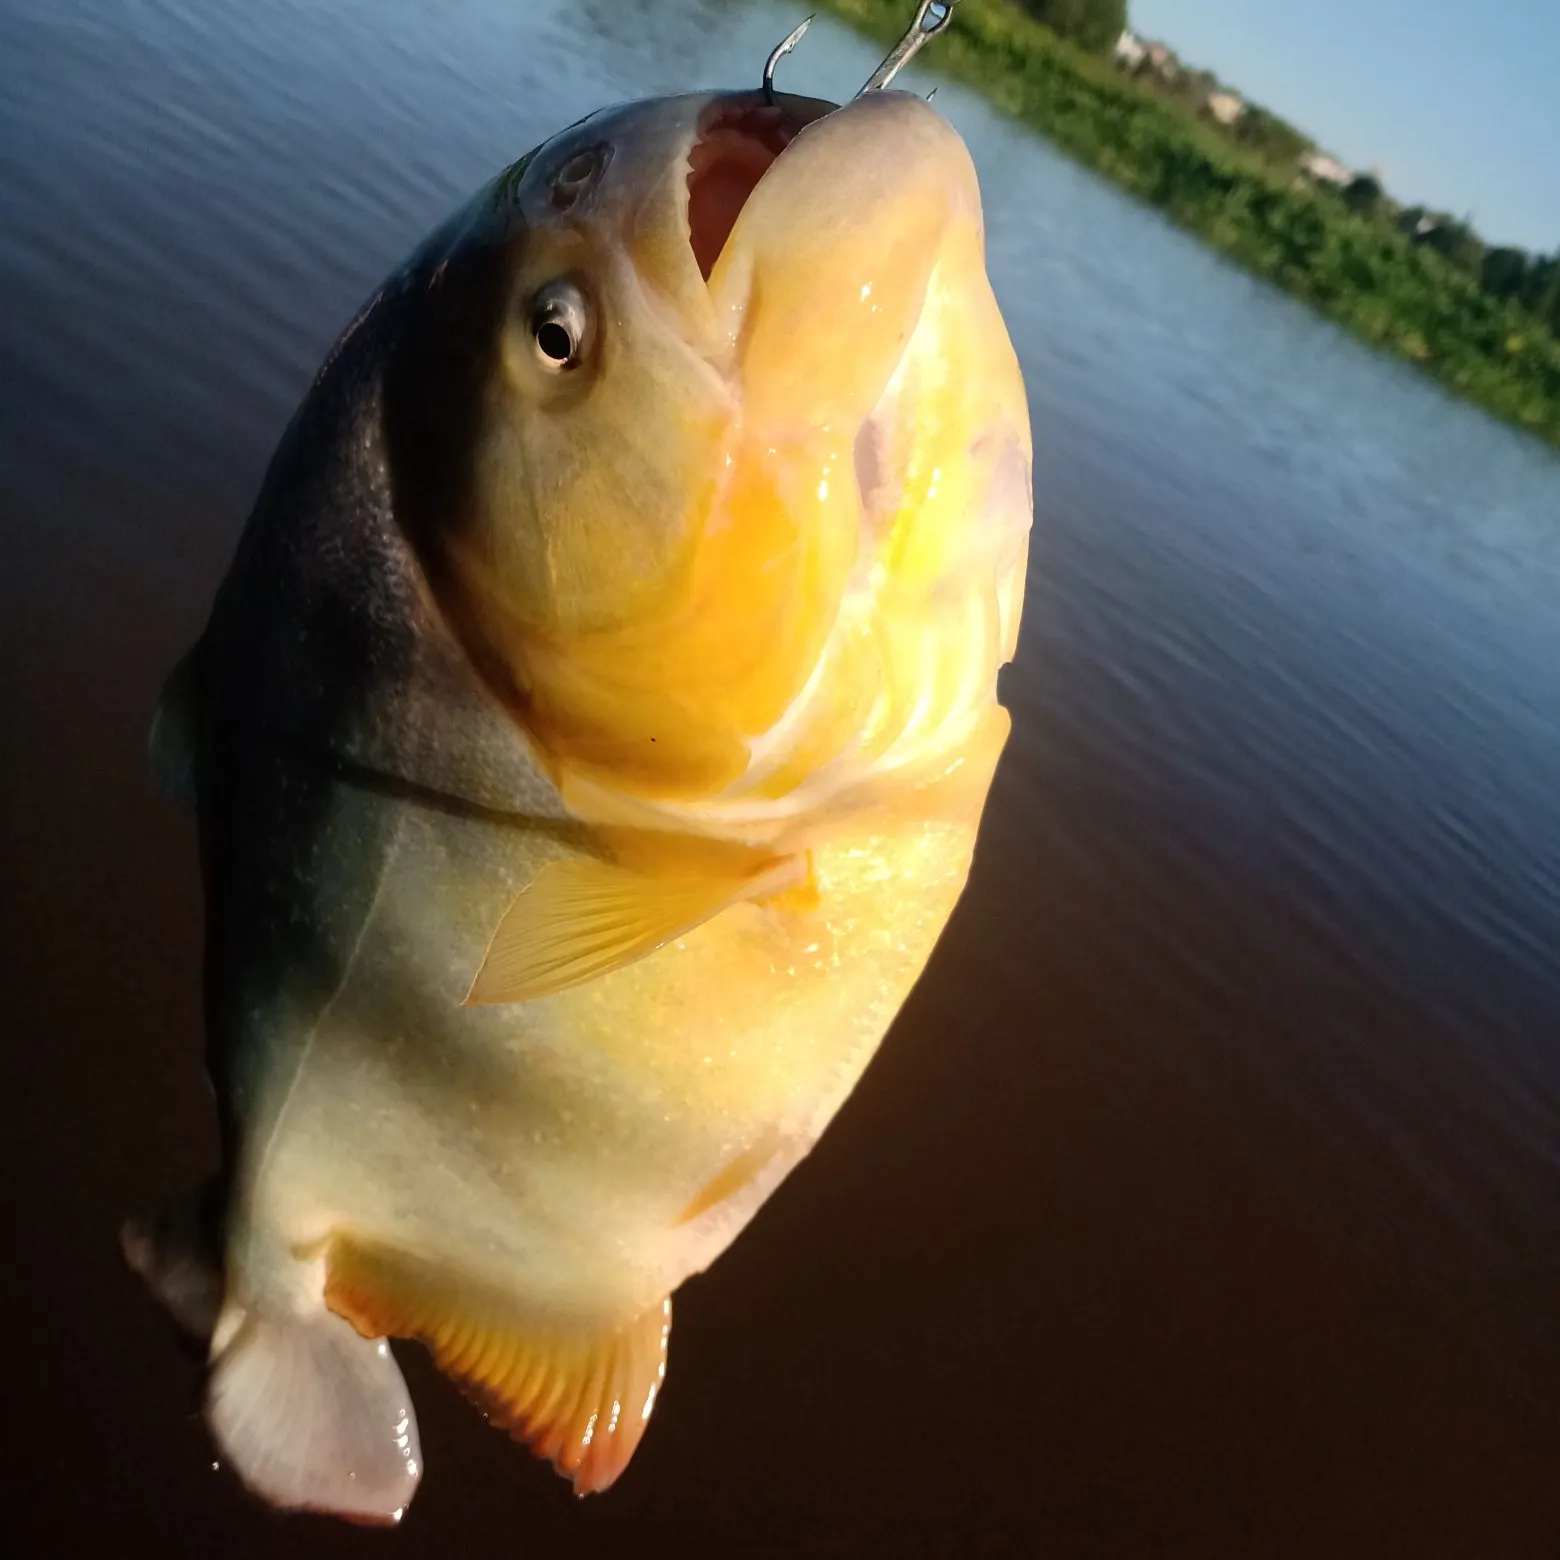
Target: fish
pixel 587 745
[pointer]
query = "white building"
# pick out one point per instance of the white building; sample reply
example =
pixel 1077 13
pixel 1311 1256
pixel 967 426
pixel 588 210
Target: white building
pixel 1130 50
pixel 1226 107
pixel 1325 169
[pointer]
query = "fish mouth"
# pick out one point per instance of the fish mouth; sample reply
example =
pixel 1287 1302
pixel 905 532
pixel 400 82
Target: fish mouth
pixel 739 140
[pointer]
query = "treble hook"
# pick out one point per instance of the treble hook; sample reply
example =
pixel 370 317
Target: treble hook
pixel 931 17
pixel 782 49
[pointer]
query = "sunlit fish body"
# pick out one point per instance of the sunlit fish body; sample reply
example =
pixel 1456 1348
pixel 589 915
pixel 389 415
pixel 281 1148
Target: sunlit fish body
pixel 589 742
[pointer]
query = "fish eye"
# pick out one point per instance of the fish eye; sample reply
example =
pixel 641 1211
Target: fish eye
pixel 560 326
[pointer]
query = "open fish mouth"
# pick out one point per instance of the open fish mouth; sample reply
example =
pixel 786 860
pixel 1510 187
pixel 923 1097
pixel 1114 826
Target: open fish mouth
pixel 739 140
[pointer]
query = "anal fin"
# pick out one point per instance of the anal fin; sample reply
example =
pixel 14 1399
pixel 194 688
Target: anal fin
pixel 578 1393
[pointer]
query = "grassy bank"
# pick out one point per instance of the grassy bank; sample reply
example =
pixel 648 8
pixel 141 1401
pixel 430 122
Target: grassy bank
pixel 1370 278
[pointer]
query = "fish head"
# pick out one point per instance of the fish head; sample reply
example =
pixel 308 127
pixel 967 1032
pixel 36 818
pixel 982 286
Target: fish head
pixel 730 451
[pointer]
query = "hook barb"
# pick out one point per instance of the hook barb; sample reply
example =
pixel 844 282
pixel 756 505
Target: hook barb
pixel 779 52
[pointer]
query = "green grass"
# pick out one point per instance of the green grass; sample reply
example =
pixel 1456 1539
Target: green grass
pixel 1355 269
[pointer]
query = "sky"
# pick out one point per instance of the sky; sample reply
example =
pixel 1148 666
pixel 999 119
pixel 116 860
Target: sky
pixel 1457 101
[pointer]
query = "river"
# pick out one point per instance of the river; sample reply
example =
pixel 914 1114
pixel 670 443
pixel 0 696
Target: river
pixel 1205 1200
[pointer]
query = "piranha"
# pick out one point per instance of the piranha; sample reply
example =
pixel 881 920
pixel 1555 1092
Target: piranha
pixel 588 744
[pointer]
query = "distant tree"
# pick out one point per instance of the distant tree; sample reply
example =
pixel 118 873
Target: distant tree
pixel 1503 272
pixel 1363 194
pixel 1541 289
pixel 1196 86
pixel 1092 24
pixel 1541 272
pixel 1273 137
pixel 1455 242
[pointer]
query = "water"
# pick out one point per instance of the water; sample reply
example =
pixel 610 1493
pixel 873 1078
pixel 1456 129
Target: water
pixel 1204 1201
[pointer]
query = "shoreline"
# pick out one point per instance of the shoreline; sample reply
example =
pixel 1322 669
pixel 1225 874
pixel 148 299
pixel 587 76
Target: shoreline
pixel 1374 282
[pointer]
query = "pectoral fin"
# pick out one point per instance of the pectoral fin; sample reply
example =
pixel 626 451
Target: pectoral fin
pixel 583 918
pixel 578 1393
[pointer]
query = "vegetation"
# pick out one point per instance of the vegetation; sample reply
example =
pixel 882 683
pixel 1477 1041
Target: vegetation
pixel 1274 139
pixel 1418 283
pixel 1094 25
pixel 1363 194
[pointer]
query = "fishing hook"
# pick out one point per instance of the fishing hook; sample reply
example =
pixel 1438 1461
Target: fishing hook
pixel 782 49
pixel 931 17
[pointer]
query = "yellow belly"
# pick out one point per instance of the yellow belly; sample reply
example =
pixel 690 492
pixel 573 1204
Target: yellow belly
pixel 586 1151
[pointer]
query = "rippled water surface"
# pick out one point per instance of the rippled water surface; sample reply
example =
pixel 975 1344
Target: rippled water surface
pixel 1205 1199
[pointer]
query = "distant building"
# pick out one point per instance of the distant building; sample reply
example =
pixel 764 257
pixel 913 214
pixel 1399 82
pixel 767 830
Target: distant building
pixel 1138 57
pixel 1226 107
pixel 1325 170
pixel 1130 51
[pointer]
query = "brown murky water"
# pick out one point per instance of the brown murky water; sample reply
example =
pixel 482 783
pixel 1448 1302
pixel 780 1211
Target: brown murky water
pixel 1205 1199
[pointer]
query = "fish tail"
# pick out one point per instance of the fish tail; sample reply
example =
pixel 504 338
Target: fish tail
pixel 312 1415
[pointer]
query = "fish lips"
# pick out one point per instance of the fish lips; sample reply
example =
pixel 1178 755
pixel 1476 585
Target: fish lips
pixel 822 276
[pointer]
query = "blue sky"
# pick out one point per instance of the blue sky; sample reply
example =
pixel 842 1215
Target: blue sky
pixel 1458 101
